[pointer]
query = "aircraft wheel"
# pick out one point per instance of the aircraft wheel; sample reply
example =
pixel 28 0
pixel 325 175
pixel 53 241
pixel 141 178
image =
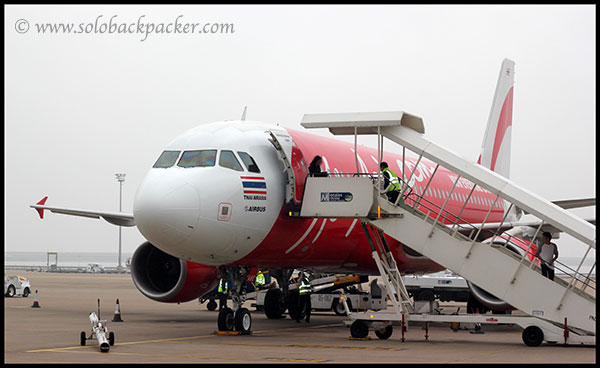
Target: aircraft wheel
pixel 359 329
pixel 226 319
pixel 385 332
pixel 82 338
pixel 274 306
pixel 243 321
pixel 533 336
pixel 111 338
pixel 211 305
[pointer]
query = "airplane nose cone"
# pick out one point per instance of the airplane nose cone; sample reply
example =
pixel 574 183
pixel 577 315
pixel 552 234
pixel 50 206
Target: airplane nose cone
pixel 166 211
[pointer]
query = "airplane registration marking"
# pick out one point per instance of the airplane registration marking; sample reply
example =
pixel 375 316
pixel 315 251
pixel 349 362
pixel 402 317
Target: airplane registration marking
pixel 302 237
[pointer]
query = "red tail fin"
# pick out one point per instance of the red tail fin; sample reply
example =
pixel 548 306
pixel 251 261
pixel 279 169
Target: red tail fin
pixel 41 210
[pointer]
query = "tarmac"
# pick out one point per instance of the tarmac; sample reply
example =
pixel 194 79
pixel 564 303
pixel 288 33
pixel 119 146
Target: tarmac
pixel 154 332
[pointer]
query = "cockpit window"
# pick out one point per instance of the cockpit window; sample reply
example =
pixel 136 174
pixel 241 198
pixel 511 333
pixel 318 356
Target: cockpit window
pixel 198 158
pixel 167 159
pixel 228 160
pixel 249 162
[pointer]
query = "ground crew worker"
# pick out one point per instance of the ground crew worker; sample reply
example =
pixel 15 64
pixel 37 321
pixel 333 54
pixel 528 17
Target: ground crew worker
pixel 259 281
pixel 222 291
pixel 547 253
pixel 391 182
pixel 305 289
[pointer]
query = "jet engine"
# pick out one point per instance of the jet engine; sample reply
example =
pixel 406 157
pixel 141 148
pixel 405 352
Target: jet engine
pixel 516 245
pixel 168 279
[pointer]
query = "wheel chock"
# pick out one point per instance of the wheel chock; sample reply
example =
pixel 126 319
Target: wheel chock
pixel 231 333
pixel 359 338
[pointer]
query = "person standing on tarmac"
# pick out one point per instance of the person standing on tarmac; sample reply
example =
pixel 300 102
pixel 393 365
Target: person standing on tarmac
pixel 305 289
pixel 222 293
pixel 391 182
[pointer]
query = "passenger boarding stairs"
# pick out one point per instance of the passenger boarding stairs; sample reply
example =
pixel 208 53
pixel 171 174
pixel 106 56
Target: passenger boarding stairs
pixel 445 238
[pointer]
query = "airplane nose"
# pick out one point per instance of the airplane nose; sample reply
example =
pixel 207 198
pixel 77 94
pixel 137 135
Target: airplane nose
pixel 166 211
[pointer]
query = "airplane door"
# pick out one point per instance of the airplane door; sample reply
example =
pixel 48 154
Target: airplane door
pixel 295 165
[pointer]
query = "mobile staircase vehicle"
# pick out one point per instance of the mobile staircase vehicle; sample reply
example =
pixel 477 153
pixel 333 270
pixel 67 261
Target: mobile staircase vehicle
pixel 481 253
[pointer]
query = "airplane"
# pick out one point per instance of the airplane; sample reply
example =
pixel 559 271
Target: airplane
pixel 218 202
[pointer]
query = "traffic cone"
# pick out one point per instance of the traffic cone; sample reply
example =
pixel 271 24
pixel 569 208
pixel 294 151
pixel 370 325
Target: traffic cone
pixel 36 301
pixel 117 316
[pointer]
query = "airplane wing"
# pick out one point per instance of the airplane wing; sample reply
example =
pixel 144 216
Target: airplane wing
pixel 528 229
pixel 575 203
pixel 572 203
pixel 115 218
pixel 521 229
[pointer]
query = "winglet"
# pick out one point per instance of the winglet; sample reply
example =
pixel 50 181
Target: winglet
pixel 41 210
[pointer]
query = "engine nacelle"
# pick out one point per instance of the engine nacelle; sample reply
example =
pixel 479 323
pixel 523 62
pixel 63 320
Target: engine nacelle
pixel 516 245
pixel 168 279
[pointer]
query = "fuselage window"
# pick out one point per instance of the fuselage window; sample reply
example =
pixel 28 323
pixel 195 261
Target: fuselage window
pixel 167 159
pixel 249 162
pixel 202 158
pixel 228 160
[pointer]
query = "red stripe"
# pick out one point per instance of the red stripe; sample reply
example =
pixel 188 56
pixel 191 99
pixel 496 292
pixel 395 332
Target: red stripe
pixel 504 121
pixel 252 177
pixel 254 192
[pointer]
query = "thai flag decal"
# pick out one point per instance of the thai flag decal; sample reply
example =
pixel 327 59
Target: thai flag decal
pixel 254 185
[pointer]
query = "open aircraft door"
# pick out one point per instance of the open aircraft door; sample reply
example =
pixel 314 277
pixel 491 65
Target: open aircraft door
pixel 295 165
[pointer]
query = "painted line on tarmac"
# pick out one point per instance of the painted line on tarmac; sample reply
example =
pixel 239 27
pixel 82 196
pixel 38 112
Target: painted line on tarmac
pixel 171 339
pixel 192 356
pixel 119 344
pixel 300 346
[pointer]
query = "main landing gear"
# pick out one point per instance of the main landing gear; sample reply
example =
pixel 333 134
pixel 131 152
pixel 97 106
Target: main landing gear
pixel 236 318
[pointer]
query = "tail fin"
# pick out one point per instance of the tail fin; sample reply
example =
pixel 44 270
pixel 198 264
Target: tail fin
pixel 495 149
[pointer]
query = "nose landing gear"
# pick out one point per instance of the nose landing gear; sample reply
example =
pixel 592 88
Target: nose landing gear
pixel 236 318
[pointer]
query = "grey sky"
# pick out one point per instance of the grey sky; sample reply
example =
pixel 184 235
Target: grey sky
pixel 80 108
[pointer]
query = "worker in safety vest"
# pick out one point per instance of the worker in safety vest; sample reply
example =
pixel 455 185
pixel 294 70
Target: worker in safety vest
pixel 391 182
pixel 222 291
pixel 305 289
pixel 259 281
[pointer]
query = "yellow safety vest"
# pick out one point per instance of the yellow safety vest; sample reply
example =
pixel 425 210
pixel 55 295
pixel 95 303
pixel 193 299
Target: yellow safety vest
pixel 260 279
pixel 222 286
pixel 305 287
pixel 395 182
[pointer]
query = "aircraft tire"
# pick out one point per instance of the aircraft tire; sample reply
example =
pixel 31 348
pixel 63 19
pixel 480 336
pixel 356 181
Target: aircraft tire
pixel 226 319
pixel 243 321
pixel 274 306
pixel 111 338
pixel 82 338
pixel 211 305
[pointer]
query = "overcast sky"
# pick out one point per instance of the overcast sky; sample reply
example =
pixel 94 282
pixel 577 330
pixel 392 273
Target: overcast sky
pixel 81 107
